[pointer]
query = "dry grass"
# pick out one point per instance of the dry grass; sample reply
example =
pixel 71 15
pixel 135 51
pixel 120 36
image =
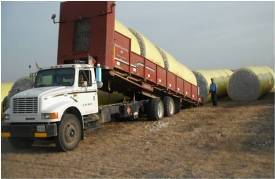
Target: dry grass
pixel 232 140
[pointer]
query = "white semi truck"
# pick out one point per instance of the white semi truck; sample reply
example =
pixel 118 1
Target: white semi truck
pixel 62 104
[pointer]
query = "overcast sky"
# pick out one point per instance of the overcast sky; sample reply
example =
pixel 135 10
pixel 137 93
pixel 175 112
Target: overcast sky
pixel 202 35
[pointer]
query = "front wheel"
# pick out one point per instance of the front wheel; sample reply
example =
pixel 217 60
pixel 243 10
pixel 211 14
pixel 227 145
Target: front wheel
pixel 69 133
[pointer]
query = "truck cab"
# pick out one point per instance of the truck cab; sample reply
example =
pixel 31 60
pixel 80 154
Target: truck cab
pixel 63 91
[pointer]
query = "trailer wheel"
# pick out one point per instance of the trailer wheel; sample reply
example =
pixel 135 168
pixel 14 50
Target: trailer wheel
pixel 169 106
pixel 21 143
pixel 69 133
pixel 156 109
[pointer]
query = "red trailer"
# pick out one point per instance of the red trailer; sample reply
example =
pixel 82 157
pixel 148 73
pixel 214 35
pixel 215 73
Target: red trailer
pixel 87 35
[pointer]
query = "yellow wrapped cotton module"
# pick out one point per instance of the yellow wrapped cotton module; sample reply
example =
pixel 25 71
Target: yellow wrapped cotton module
pixel 5 88
pixel 221 78
pixel 250 83
pixel 144 47
pixel 180 70
pixel 148 49
pixel 119 27
pixel 272 72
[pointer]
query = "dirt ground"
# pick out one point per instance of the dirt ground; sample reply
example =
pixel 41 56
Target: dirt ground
pixel 232 140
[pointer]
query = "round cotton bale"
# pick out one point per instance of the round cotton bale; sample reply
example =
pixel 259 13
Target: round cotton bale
pixel 250 83
pixel 21 84
pixel 5 88
pixel 273 74
pixel 11 89
pixel 221 78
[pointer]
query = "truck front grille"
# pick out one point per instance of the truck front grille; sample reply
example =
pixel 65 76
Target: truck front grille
pixel 25 105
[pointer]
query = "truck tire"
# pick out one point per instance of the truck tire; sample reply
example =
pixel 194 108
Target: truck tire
pixel 169 106
pixel 156 109
pixel 69 132
pixel 21 143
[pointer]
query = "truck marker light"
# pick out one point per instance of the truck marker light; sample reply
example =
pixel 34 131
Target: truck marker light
pixel 40 134
pixel 53 115
pixel 5 134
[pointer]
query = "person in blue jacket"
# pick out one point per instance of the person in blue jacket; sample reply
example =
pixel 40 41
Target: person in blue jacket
pixel 213 92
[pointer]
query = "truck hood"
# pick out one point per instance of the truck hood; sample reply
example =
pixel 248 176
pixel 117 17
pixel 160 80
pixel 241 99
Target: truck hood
pixel 43 91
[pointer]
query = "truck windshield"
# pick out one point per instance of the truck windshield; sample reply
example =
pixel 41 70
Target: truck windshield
pixel 55 77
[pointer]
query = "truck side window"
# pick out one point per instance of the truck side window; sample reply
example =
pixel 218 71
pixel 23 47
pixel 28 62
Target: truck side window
pixel 84 75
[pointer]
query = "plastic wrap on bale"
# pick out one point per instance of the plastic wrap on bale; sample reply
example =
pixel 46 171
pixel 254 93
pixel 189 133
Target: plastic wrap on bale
pixel 143 46
pixel 221 78
pixel 250 83
pixel 5 88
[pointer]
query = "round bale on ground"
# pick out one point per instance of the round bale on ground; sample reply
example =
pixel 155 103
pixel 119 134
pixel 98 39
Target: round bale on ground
pixel 221 78
pixel 250 83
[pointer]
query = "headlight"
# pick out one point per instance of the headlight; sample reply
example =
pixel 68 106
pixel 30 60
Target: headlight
pixel 53 115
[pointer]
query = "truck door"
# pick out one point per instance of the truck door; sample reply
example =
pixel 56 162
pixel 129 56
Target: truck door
pixel 87 97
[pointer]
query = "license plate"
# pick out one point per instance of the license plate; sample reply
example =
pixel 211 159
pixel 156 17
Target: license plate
pixel 40 128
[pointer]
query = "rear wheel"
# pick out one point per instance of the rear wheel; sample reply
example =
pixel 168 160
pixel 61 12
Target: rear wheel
pixel 21 143
pixel 156 109
pixel 169 106
pixel 69 133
